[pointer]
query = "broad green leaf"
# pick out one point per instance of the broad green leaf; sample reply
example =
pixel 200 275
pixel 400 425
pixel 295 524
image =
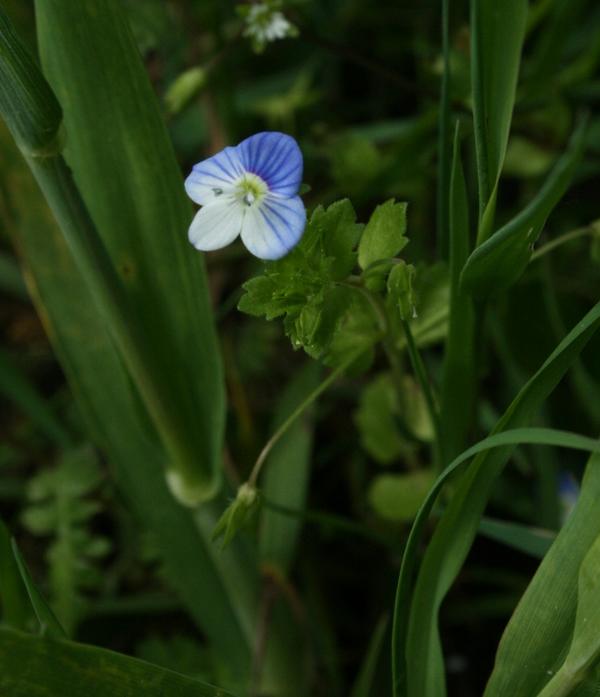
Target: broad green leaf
pixel 398 497
pixel 458 377
pixel 286 477
pixel 497 34
pixel 219 590
pixel 550 602
pixel 458 525
pixel 126 171
pixel 384 235
pixel 49 625
pixel 584 651
pixel 40 667
pixel 497 263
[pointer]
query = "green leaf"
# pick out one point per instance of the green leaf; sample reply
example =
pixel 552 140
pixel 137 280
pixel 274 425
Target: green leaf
pixel 130 181
pixel 533 541
pixel 34 667
pixel 15 608
pixel 401 294
pixel 49 625
pixel 398 497
pixel 384 234
pixel 497 34
pixel 223 609
pixel 303 286
pixel 376 420
pixel 365 682
pixel 27 103
pixel 237 515
pixel 497 263
pixel 458 376
pixel 549 603
pixel 458 525
pixel 286 478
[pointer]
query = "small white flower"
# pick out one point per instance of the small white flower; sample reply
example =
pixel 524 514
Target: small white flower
pixel 263 24
pixel 249 190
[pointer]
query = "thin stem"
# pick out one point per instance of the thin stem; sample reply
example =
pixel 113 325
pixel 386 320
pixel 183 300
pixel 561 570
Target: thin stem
pixel 423 380
pixel 300 409
pixel 443 191
pixel 567 237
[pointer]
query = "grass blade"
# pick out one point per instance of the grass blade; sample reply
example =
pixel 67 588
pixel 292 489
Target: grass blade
pixel 497 263
pixel 34 667
pixel 458 525
pixel 549 603
pixel 15 608
pixel 459 356
pixel 122 160
pixel 497 35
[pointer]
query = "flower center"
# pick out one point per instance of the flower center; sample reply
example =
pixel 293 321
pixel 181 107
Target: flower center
pixel 251 189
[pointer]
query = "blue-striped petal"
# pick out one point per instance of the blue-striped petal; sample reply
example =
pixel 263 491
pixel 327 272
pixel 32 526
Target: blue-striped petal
pixel 271 229
pixel 217 224
pixel 275 158
pixel 214 177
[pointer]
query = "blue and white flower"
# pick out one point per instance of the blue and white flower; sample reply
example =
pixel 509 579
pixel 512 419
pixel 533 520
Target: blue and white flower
pixel 249 190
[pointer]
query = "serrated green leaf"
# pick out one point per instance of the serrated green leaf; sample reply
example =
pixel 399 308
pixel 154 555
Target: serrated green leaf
pixel 384 234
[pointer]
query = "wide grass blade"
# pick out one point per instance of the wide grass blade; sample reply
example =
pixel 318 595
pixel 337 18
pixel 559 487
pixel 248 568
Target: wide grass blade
pixel 126 170
pixel 219 590
pixel 497 35
pixel 31 666
pixel 458 524
pixel 540 630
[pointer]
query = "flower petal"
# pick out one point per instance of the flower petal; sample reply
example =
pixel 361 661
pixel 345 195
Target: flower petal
pixel 214 177
pixel 273 228
pixel 216 225
pixel 275 158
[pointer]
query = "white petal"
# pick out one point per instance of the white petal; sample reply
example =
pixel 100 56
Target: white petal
pixel 214 177
pixel 217 224
pixel 271 229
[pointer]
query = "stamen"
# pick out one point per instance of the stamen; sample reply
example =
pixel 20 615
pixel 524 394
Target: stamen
pixel 217 191
pixel 249 198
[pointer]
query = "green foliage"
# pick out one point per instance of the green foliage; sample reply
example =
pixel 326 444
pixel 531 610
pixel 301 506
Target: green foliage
pixel 237 515
pixel 34 667
pixel 61 507
pixel 304 287
pixel 398 497
pixel 384 236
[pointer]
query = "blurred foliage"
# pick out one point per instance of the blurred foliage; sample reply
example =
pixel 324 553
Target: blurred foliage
pixel 358 85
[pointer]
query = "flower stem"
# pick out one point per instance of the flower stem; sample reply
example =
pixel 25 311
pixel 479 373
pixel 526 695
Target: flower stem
pixel 300 409
pixel 423 380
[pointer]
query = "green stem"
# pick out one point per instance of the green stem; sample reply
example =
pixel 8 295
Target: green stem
pixel 421 374
pixel 300 409
pixel 443 191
